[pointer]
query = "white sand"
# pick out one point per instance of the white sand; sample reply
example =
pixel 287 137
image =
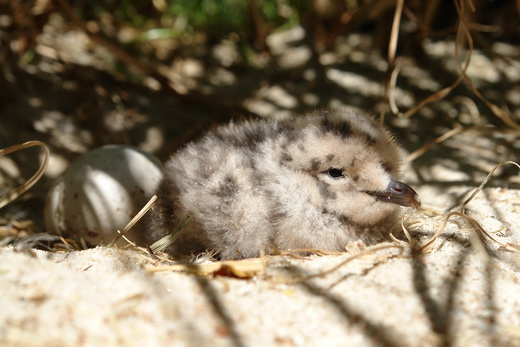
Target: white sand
pixel 106 297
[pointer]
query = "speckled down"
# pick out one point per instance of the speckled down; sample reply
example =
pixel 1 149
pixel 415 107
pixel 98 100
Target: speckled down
pixel 295 183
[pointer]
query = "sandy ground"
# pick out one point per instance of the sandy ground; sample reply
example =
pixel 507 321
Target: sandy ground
pixel 465 291
pixel 462 292
pixel 105 296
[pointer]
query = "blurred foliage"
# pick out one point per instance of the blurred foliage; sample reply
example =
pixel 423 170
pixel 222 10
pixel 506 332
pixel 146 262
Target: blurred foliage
pixel 251 21
pixel 216 18
pixel 220 17
pixel 130 29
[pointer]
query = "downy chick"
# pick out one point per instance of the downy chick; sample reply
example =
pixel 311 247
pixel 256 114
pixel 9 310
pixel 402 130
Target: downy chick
pixel 317 181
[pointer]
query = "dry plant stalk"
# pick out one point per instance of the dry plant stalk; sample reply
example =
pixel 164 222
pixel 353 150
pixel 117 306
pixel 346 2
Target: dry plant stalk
pixel 245 268
pixel 164 242
pixel 463 37
pixel 132 222
pixel 472 108
pixel 423 149
pixel 458 211
pixel 293 252
pixel 248 268
pixel 450 133
pixel 18 191
pixel 392 70
pixel 465 26
pixel 411 241
pixel 462 33
pixel 367 251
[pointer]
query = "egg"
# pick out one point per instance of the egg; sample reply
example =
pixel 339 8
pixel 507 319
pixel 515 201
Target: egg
pixel 100 193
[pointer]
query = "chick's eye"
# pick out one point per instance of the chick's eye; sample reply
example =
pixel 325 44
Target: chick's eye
pixel 335 173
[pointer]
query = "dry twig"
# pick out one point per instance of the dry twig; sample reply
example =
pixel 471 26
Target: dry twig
pixel 16 192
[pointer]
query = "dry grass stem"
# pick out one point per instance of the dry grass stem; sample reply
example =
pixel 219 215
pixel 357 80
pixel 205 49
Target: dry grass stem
pixel 391 88
pixel 246 268
pixel 418 152
pixel 463 33
pixel 441 94
pixel 168 240
pixel 479 228
pixel 367 251
pixel 18 191
pixel 484 182
pixel 463 36
pixel 391 73
pixel 405 231
pixel 457 212
pixel 134 220
pixel 392 45
pixel 471 106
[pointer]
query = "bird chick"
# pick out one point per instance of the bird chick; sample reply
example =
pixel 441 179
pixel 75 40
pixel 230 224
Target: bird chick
pixel 317 181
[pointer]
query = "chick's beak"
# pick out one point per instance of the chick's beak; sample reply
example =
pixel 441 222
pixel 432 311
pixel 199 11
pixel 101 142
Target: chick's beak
pixel 398 193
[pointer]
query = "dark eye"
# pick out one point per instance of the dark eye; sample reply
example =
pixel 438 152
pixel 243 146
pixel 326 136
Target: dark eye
pixel 335 173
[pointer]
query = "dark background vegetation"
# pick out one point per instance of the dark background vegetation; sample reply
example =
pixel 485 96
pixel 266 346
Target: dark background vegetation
pixel 155 74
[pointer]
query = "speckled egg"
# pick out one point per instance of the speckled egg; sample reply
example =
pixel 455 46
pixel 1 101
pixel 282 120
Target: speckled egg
pixel 100 192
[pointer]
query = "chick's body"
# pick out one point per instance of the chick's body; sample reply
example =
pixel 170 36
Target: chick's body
pixel 317 181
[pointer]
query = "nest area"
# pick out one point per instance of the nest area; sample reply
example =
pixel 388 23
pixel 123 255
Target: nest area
pixel 444 76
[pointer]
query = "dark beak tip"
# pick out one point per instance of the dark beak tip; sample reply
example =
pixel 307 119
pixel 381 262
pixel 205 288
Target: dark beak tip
pixel 407 194
pixel 415 201
pixel 400 194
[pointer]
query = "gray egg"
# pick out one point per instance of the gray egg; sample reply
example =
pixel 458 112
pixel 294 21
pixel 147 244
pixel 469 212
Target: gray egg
pixel 100 192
